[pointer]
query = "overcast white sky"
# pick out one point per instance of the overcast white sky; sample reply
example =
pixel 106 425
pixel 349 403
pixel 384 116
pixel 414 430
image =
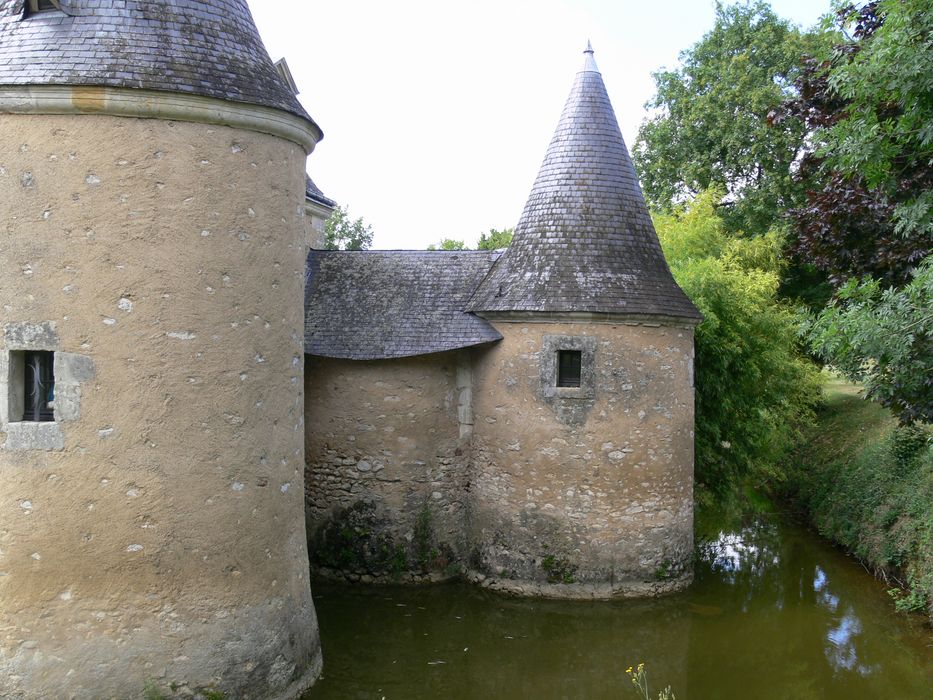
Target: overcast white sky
pixel 437 114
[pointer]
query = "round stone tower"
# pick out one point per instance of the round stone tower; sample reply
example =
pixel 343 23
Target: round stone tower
pixel 583 425
pixel 151 280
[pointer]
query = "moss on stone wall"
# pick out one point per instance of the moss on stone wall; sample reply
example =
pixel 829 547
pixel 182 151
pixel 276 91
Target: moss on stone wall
pixel 357 543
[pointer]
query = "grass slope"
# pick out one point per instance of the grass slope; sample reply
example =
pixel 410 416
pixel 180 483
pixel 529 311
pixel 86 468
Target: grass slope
pixel 867 484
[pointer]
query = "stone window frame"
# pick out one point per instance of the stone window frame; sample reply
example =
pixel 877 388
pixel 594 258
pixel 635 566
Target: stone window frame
pixel 70 371
pixel 551 346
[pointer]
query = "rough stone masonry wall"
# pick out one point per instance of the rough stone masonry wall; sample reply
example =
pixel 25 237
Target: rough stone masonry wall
pixel 577 495
pixel 386 465
pixel 162 540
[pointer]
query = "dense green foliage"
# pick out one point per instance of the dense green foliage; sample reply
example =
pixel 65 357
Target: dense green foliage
pixel 883 339
pixel 868 163
pixel 496 239
pixel 868 484
pixel 711 128
pixel 868 212
pixel 343 233
pixel 885 77
pixel 493 241
pixel 754 391
pixel 448 244
pixel 834 144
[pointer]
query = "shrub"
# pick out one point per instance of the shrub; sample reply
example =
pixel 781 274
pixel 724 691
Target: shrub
pixel 754 388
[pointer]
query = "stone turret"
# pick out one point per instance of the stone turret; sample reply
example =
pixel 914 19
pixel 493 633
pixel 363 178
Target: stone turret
pixel 151 377
pixel 585 242
pixel 583 437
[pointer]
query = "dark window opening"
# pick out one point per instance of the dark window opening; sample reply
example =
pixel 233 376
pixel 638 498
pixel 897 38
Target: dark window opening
pixel 569 363
pixel 33 6
pixel 38 386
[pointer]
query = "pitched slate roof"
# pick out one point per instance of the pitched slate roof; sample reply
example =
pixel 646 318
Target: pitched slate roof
pixel 313 192
pixel 201 47
pixel 585 242
pixel 366 305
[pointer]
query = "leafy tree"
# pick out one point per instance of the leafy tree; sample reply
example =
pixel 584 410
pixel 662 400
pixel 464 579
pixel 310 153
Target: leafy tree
pixel 883 339
pixel 496 239
pixel 885 74
pixel 869 206
pixel 712 131
pixel 448 244
pixel 754 390
pixel 342 233
pixel 869 167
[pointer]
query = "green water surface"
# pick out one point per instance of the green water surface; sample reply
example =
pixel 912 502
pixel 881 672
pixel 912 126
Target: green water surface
pixel 774 612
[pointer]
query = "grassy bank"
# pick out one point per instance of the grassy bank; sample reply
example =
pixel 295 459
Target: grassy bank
pixel 867 484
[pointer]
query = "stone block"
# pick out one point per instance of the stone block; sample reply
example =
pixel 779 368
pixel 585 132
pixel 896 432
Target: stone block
pixel 30 336
pixel 34 436
pixel 73 369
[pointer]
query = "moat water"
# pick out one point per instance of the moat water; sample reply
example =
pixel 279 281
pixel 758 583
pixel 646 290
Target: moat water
pixel 774 612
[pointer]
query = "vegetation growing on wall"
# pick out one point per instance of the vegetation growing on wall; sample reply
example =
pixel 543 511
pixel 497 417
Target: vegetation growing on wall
pixel 357 541
pixel 354 539
pixel 557 569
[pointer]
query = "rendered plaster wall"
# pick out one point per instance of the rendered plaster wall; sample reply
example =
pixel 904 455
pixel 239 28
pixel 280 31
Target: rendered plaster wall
pixel 386 464
pixel 584 492
pixel 163 540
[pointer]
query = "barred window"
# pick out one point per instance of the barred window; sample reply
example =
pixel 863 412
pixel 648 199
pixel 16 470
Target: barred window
pixel 33 375
pixel 569 364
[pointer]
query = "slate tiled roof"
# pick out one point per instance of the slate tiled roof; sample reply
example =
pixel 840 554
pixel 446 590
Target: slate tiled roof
pixel 366 305
pixel 585 242
pixel 201 47
pixel 313 192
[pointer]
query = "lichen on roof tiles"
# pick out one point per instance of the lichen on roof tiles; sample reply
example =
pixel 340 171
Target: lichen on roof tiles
pixel 585 241
pixel 366 305
pixel 200 47
pixel 313 192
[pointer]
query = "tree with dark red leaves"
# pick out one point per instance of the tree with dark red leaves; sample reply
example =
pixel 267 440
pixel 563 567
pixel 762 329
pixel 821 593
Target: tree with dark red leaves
pixel 869 167
pixel 868 213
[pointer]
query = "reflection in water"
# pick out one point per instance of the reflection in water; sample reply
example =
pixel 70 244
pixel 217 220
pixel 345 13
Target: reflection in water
pixel 841 651
pixel 774 613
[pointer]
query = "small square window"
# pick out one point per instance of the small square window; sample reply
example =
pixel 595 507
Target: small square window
pixel 32 395
pixel 569 363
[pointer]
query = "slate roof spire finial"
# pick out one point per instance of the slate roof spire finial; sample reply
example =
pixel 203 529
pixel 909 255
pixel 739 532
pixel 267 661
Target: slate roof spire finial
pixel 590 62
pixel 585 242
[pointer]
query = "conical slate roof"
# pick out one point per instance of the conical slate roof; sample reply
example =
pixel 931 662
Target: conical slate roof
pixel 200 47
pixel 585 242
